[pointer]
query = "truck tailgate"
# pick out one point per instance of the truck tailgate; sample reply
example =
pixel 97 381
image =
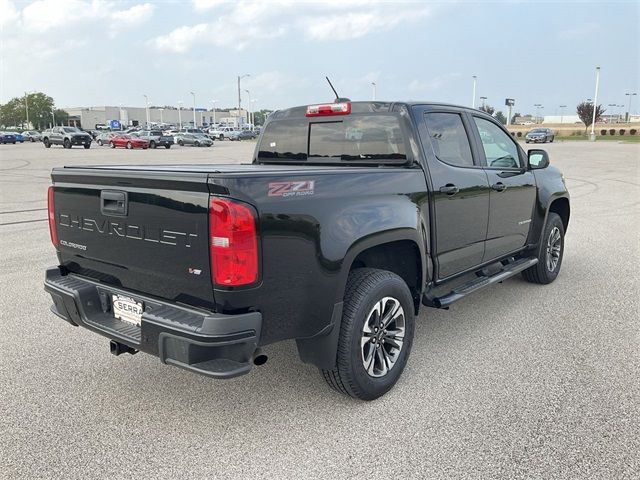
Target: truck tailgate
pixel 140 230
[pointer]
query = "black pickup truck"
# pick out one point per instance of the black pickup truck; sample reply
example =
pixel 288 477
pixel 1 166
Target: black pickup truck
pixel 351 217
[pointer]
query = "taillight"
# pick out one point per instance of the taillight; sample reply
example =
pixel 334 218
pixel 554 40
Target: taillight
pixel 326 109
pixel 233 243
pixel 53 231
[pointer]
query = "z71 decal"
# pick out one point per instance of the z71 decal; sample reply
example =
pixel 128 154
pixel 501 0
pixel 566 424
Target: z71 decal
pixel 291 189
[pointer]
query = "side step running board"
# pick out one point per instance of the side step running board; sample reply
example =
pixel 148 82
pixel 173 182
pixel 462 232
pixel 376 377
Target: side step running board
pixel 461 291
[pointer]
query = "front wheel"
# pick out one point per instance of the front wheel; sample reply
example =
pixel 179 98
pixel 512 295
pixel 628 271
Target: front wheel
pixel 47 143
pixel 376 334
pixel 167 146
pixel 552 139
pixel 100 142
pixel 550 253
pixel 66 143
pixel 152 144
pixel 112 145
pixel 87 146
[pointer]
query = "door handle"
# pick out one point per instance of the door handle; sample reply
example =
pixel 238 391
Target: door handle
pixel 113 203
pixel 499 187
pixel 449 189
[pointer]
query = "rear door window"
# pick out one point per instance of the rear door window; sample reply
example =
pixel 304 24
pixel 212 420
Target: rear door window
pixel 449 138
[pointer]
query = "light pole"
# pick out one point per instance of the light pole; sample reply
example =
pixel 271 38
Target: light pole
pixel 538 106
pixel 146 107
pixel 195 124
pixel 240 77
pixel 473 101
pixel 620 110
pixel 180 114
pixel 483 99
pixel 53 117
pixel 595 106
pixel 249 109
pixel 253 113
pixel 627 119
pixel 161 110
pixel 214 110
pixel 26 106
pixel 562 107
pixel 613 112
pixel 373 84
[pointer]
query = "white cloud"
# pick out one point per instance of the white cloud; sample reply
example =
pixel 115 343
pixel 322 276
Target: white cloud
pixel 134 15
pixel 331 20
pixel 9 13
pixel 203 5
pixel 432 84
pixel 43 16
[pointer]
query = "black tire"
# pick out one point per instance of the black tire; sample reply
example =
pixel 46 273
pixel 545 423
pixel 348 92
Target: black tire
pixel 32 140
pixel 542 273
pixel 129 146
pixel 366 287
pixel 196 144
pixel 552 139
pixel 112 145
pixel 152 144
pixel 87 146
pixel 181 143
pixel 167 146
pixel 100 142
pixel 47 143
pixel 221 136
pixel 66 143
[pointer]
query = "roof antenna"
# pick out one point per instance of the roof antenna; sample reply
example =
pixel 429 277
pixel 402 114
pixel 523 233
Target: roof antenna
pixel 338 98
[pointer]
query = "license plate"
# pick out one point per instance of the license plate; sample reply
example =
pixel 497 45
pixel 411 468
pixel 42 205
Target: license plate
pixel 127 309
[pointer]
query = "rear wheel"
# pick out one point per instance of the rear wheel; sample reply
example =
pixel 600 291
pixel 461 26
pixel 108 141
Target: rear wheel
pixel 167 146
pixel 376 334
pixel 549 254
pixel 87 146
pixel 100 142
pixel 181 143
pixel 552 139
pixel 47 143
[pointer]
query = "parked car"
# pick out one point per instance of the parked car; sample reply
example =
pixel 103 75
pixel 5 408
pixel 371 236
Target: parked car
pixel 66 136
pixel 125 140
pixel 242 135
pixel 32 136
pixel 540 135
pixel 194 139
pixel 19 137
pixel 105 137
pixel 8 137
pixel 156 138
pixel 221 133
pixel 335 242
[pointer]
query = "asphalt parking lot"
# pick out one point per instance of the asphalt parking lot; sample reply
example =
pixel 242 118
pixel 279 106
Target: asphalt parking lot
pixel 515 381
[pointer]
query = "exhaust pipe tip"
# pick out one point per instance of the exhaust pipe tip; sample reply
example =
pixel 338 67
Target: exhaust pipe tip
pixel 259 357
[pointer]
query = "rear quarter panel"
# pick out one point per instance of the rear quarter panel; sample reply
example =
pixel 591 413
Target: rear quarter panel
pixel 309 241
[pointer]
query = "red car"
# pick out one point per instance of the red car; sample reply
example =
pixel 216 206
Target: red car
pixel 127 141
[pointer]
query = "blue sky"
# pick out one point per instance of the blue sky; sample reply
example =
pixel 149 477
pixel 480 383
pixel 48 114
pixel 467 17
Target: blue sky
pixel 97 52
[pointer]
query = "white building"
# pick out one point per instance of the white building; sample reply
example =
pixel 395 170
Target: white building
pixel 90 117
pixel 562 119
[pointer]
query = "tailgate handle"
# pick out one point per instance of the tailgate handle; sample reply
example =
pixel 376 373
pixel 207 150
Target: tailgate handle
pixel 113 202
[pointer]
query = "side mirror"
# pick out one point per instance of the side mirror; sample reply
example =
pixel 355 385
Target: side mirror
pixel 537 159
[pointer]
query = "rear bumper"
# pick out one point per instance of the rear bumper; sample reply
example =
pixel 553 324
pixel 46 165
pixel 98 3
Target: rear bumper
pixel 212 344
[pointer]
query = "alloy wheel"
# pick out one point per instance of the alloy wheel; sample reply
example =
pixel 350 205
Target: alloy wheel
pixel 554 247
pixel 382 337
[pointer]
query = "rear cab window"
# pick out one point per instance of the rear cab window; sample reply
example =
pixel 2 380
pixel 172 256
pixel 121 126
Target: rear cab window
pixel 373 138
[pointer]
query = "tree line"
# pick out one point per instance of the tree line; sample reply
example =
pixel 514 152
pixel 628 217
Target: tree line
pixel 36 109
